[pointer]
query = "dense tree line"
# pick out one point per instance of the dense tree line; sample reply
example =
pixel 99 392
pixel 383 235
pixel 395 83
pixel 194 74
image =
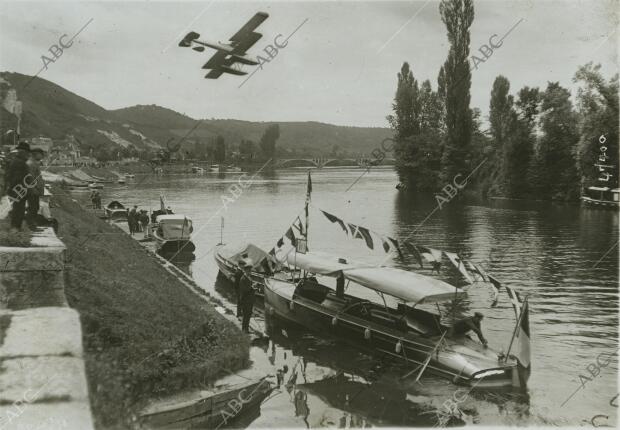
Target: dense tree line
pixel 539 143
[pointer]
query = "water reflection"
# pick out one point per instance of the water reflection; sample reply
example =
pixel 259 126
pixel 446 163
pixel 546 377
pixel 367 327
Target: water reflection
pixel 547 251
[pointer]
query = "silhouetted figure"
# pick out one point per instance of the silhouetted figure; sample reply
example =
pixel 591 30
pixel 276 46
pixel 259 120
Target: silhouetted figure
pixel 464 326
pixel 16 178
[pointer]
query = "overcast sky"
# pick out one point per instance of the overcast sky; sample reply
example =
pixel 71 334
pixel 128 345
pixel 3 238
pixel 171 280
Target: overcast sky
pixel 339 67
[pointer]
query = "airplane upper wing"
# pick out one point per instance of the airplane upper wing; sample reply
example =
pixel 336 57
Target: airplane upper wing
pixel 246 36
pixel 250 26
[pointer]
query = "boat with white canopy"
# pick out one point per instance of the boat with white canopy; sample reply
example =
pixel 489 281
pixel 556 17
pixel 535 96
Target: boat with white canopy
pixel 391 311
pixel 404 331
pixel 173 234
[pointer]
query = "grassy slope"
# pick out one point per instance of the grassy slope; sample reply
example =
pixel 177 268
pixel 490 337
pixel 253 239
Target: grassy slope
pixel 144 332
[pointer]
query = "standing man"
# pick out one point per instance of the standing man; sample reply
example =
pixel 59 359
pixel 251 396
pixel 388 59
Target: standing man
pixel 246 294
pixel 131 221
pixel 16 174
pixel 36 186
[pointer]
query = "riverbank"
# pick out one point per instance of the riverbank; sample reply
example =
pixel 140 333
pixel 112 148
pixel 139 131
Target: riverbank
pixel 145 333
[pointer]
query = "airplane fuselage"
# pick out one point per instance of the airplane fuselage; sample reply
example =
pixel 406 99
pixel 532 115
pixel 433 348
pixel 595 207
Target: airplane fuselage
pixel 228 48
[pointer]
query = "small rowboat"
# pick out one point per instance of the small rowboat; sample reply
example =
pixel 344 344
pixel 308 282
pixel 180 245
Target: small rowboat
pixel 228 257
pixel 208 408
pixel 116 211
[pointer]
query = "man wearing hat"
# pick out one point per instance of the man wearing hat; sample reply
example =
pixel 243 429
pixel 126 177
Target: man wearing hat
pixel 36 186
pixel 16 184
pixel 464 326
pixel 246 294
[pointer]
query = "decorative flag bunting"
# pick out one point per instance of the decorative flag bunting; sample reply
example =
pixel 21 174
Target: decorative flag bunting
pixel 456 261
pixel 333 219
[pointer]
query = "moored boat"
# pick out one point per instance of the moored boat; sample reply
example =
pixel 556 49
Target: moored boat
pixel 198 170
pixel 116 211
pixel 207 408
pixel 603 197
pixel 399 324
pixel 403 330
pixel 172 234
pixel 228 258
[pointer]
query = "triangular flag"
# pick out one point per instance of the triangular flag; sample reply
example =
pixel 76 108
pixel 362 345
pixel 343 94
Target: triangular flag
pixel 431 255
pixel 291 236
pixel 397 246
pixel 496 287
pixel 367 237
pixel 333 219
pixel 299 226
pixel 355 233
pixel 514 299
pixel 280 242
pixel 386 245
pixel 456 261
pixel 416 252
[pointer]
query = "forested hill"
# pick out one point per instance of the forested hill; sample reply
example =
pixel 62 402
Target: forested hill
pixel 52 111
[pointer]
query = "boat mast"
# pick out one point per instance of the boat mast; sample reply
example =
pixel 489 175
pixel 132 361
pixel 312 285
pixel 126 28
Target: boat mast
pixel 308 196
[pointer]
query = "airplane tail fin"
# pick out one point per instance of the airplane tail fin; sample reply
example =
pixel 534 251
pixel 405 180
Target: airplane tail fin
pixel 188 39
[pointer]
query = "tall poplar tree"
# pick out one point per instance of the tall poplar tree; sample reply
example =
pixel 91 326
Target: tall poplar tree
pixel 458 16
pixel 416 122
pixel 598 127
pixel 502 118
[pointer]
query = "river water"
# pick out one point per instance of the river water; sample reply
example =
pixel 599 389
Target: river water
pixel 561 256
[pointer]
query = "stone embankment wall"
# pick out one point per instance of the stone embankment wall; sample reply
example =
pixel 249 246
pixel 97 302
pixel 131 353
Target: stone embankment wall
pixel 42 374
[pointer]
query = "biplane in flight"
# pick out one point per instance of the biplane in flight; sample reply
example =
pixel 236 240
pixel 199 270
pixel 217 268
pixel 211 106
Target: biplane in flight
pixel 228 54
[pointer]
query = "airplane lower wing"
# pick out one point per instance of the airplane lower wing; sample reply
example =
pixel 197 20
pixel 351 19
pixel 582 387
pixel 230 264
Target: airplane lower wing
pixel 214 74
pixel 219 63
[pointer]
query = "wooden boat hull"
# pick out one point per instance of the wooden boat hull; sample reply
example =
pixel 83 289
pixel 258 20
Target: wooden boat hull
pixel 116 214
pixel 172 246
pixel 209 409
pixel 461 360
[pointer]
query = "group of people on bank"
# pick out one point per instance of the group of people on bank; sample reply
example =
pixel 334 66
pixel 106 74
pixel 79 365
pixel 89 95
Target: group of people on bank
pixel 24 185
pixel 95 199
pixel 137 220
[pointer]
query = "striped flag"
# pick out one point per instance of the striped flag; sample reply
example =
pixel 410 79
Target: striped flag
pixel 522 336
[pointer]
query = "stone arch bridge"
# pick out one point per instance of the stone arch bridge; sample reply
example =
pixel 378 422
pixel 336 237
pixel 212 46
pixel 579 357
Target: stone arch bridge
pixel 320 162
